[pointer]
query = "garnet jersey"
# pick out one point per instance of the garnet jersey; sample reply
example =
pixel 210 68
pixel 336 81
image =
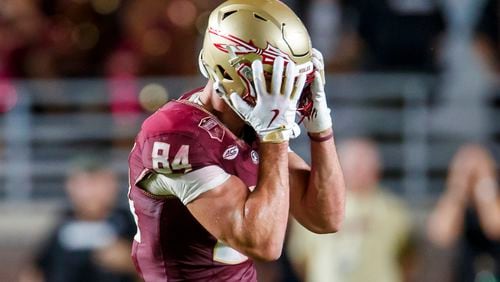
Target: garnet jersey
pixel 181 152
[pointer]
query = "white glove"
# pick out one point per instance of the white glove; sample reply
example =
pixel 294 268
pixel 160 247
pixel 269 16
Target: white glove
pixel 273 116
pixel 320 119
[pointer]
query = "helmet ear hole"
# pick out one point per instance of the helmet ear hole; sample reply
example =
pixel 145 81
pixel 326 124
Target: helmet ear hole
pixel 224 73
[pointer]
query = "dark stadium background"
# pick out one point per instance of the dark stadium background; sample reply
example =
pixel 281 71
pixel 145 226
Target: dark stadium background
pixel 77 77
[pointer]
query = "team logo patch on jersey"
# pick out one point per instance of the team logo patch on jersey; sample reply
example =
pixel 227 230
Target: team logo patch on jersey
pixel 255 157
pixel 213 128
pixel 231 152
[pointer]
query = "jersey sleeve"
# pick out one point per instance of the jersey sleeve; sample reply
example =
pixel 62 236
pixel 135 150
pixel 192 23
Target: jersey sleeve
pixel 186 187
pixel 179 165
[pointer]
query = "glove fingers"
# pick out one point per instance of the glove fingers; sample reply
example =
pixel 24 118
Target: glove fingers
pixel 318 65
pixel 289 79
pixel 317 85
pixel 277 80
pixel 317 54
pixel 299 87
pixel 258 79
pixel 240 105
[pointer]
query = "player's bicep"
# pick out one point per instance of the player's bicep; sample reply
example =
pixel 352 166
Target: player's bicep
pixel 221 210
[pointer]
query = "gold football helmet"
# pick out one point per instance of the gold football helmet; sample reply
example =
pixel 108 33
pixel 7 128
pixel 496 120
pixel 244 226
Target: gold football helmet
pixel 241 31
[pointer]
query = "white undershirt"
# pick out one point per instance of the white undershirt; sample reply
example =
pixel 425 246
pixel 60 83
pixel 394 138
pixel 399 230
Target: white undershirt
pixel 186 187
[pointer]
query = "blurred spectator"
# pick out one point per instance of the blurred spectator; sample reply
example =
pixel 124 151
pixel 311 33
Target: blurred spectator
pixel 398 35
pixel 468 216
pixel 373 244
pixel 21 29
pixel 487 41
pixel 340 43
pixel 466 81
pixel 93 240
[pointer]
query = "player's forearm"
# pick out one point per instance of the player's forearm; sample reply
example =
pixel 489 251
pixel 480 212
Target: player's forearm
pixel 265 213
pixel 325 195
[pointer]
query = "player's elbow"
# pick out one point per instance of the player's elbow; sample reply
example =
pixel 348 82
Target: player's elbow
pixel 328 224
pixel 335 223
pixel 267 252
pixel 327 227
pixel 267 248
pixel 263 245
pixel 332 226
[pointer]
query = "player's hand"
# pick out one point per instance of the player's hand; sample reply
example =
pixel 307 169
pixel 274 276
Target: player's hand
pixel 273 116
pixel 320 119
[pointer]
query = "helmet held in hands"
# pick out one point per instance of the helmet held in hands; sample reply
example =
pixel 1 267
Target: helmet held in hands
pixel 240 32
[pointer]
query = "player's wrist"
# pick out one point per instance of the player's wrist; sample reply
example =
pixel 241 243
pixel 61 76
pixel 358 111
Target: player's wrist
pixel 275 136
pixel 321 136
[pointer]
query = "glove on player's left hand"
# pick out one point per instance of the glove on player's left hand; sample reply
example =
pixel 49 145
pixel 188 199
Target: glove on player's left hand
pixel 320 119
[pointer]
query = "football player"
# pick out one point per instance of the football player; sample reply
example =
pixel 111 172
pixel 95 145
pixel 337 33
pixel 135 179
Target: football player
pixel 212 177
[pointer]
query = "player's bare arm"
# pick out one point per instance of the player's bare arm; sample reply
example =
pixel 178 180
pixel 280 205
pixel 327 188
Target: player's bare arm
pixel 255 222
pixel 318 192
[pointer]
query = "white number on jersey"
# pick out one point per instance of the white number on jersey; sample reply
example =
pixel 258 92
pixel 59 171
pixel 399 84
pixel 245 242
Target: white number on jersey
pixel 161 162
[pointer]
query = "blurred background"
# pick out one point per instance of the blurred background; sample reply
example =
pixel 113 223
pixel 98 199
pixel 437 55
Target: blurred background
pixel 410 82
